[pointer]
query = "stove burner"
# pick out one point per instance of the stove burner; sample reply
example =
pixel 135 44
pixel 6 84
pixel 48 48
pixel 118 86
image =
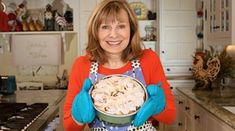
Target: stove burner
pixel 26 108
pixel 15 117
pixel 19 116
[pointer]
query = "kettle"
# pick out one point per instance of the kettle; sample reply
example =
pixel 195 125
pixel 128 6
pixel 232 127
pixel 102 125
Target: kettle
pixel 7 84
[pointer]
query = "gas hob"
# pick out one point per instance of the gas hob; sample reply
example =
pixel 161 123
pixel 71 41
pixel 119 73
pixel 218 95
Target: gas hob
pixel 19 116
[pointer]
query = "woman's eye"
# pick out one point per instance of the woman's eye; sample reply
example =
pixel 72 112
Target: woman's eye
pixel 121 26
pixel 105 27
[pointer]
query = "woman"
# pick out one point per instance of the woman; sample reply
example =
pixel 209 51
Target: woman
pixel 114 47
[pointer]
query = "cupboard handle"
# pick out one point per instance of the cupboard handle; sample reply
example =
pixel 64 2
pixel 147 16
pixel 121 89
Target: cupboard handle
pixel 168 69
pixel 180 124
pixel 205 14
pixel 196 117
pixel 187 108
pixel 180 102
pixel 171 87
pixel 163 52
pixel 216 27
pixel 190 69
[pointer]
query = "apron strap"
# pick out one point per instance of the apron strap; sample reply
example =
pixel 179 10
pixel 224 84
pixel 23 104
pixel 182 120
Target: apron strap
pixel 135 65
pixel 93 72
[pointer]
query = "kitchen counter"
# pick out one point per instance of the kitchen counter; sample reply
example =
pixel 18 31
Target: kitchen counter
pixel 52 97
pixel 186 77
pixel 213 101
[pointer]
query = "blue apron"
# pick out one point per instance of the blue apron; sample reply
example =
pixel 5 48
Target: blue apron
pixel 98 125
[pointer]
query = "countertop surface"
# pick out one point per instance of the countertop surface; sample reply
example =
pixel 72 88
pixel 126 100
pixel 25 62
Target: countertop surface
pixel 52 97
pixel 186 77
pixel 213 101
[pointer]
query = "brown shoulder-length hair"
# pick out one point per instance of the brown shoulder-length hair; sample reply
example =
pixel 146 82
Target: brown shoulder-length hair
pixel 111 9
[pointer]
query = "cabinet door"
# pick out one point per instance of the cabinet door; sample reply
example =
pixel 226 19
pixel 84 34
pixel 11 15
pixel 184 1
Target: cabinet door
pixel 182 70
pixel 199 117
pixel 179 123
pixel 214 124
pixel 177 27
pixel 181 83
pixel 195 118
pixel 218 19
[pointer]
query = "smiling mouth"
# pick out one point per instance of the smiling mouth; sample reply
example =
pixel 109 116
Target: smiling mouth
pixel 114 42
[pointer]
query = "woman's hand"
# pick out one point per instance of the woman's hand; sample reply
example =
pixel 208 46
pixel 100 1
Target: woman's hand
pixel 154 105
pixel 82 107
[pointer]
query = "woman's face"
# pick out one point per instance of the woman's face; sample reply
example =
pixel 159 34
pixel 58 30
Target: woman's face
pixel 114 35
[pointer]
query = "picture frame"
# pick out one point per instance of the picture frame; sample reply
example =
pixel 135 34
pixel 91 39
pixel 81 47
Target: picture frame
pixel 140 10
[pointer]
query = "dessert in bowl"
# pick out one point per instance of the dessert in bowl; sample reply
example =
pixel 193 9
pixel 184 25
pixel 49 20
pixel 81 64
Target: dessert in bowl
pixel 117 98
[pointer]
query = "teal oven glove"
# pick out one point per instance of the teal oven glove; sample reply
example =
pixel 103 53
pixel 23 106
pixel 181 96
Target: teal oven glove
pixel 82 107
pixel 154 105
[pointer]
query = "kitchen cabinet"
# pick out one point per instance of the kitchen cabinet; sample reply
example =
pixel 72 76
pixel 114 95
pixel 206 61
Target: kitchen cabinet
pixel 177 35
pixel 180 123
pixel 218 15
pixel 191 116
pixel 180 82
pixel 214 124
pixel 172 70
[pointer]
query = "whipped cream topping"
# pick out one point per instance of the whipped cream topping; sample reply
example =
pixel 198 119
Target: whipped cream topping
pixel 118 95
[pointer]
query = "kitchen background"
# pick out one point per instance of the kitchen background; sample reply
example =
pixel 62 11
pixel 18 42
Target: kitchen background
pixel 40 53
pixel 179 21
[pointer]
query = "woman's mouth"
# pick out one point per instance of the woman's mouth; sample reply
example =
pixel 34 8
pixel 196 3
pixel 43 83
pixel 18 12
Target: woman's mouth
pixel 114 42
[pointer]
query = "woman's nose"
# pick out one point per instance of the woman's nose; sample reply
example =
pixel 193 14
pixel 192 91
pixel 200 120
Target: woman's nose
pixel 113 32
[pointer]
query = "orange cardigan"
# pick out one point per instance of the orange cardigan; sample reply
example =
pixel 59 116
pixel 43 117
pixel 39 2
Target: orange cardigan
pixel 152 71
